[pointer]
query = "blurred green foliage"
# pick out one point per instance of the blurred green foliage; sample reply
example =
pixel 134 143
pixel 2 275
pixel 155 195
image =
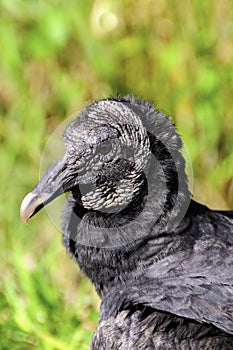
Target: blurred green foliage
pixel 55 57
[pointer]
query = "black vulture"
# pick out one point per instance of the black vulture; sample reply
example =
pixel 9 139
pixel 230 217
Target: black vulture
pixel 161 263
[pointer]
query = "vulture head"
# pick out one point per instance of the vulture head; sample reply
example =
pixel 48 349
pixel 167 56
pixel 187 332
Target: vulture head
pixel 124 169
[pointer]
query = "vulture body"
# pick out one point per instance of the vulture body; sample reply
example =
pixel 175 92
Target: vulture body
pixel 161 263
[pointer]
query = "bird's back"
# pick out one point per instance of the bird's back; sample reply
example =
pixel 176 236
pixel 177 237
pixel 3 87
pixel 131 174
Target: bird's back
pixel 184 300
pixel 148 329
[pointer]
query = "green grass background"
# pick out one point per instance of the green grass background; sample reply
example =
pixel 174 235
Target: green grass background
pixel 58 55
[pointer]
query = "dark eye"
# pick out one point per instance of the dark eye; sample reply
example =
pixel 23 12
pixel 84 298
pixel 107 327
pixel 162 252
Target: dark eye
pixel 105 147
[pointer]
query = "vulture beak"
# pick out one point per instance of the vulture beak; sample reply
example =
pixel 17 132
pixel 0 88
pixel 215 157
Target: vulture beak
pixel 49 187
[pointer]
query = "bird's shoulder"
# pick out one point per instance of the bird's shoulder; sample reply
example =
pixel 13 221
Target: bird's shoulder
pixel 194 281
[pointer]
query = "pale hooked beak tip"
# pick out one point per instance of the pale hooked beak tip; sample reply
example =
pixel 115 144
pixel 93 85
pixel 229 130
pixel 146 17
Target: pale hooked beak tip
pixel 28 206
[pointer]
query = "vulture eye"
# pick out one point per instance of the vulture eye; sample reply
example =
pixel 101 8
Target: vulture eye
pixel 105 147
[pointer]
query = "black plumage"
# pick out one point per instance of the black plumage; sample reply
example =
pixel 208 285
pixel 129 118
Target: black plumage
pixel 161 262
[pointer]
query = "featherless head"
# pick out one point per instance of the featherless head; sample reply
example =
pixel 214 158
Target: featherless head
pixel 123 166
pixel 107 152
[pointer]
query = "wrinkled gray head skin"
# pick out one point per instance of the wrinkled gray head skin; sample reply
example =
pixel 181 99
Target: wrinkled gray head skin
pixel 125 171
pixel 109 147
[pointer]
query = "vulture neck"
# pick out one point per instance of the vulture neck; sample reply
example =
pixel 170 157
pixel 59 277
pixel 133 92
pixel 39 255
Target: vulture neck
pixel 109 247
